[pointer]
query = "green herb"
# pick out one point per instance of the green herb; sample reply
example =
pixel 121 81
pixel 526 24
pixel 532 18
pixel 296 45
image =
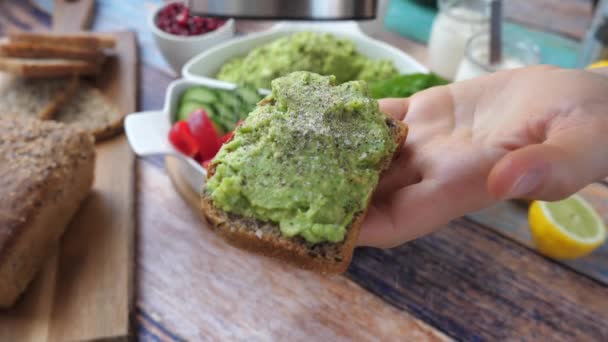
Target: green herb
pixel 404 85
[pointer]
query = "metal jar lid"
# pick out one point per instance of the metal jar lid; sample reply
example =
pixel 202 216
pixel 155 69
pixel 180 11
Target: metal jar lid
pixel 286 9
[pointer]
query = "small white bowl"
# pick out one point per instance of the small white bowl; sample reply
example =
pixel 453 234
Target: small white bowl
pixel 206 65
pixel 177 50
pixel 148 132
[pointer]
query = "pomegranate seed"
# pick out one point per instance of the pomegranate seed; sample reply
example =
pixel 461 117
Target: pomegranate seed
pixel 182 18
pixel 176 18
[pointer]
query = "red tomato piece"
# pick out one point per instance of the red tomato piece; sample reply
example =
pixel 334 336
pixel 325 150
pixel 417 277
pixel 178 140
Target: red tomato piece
pixel 203 130
pixel 182 139
pixel 226 137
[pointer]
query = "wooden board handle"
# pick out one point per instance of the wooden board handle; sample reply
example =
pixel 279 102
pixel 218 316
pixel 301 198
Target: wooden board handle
pixel 72 15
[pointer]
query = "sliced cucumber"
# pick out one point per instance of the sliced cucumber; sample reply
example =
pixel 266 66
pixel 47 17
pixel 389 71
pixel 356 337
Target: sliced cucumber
pixel 244 111
pixel 214 116
pixel 218 124
pixel 200 94
pixel 248 95
pixel 187 108
pixel 229 98
pixel 226 116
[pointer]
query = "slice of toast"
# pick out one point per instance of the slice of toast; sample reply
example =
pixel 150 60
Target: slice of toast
pixel 90 110
pixel 83 40
pixel 265 238
pixel 38 98
pixel 29 50
pixel 46 172
pixel 40 68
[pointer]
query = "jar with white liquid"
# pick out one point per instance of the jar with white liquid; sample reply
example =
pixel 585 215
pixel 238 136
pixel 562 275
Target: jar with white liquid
pixel 517 52
pixel 457 21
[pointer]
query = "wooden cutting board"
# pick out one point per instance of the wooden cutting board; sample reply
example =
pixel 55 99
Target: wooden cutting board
pixel 85 291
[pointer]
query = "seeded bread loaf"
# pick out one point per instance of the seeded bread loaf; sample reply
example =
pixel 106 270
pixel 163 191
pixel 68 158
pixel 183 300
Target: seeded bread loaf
pixel 90 110
pixel 265 238
pixel 48 67
pixel 39 98
pixel 46 171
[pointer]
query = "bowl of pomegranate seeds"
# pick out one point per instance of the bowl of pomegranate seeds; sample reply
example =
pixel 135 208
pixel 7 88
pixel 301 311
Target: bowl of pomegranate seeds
pixel 180 35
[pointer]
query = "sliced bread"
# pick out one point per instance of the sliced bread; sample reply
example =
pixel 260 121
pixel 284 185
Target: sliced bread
pixel 29 50
pixel 51 67
pixel 46 171
pixel 38 98
pixel 90 110
pixel 84 40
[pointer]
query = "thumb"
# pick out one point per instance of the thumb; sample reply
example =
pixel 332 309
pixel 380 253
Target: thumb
pixel 544 171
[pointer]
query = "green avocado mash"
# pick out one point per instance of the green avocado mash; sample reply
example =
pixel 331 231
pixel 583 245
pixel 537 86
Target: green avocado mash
pixel 307 158
pixel 321 53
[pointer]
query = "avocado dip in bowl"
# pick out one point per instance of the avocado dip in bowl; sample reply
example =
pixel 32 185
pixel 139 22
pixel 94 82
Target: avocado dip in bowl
pixel 330 48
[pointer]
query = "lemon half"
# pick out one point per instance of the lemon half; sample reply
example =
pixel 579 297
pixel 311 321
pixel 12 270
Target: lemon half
pixel 566 229
pixel 598 64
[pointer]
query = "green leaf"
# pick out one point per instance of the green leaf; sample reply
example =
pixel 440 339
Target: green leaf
pixel 405 85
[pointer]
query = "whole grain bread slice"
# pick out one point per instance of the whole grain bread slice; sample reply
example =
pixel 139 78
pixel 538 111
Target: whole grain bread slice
pixel 266 239
pixel 90 110
pixel 39 98
pixel 48 67
pixel 29 50
pixel 84 40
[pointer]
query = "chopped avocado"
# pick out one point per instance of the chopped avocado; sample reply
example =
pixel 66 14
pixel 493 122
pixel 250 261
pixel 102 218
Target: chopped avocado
pixel 322 53
pixel 307 158
pixel 199 94
pixel 186 108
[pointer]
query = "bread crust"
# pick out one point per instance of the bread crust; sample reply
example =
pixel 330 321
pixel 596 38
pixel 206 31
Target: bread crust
pixel 47 67
pixel 47 173
pixel 84 40
pixel 51 109
pixel 29 50
pixel 90 109
pixel 294 251
pixel 40 98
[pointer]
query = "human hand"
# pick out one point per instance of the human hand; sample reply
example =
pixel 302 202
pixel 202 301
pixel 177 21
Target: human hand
pixel 537 132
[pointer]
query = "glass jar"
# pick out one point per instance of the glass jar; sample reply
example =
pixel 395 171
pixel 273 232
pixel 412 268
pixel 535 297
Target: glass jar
pixel 455 23
pixel 595 44
pixel 517 52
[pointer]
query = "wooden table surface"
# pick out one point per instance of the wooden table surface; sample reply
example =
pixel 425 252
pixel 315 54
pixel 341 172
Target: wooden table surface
pixel 464 282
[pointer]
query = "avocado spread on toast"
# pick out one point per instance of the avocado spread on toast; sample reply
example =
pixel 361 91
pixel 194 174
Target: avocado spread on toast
pixel 307 158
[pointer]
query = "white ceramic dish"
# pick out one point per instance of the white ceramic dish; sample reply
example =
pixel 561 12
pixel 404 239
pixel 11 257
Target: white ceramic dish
pixel 205 66
pixel 177 50
pixel 148 132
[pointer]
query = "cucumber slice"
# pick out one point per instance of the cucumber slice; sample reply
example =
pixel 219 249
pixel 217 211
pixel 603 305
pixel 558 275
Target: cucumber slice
pixel 244 111
pixel 230 99
pixel 186 108
pixel 200 94
pixel 214 116
pixel 218 124
pixel 226 116
pixel 248 95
